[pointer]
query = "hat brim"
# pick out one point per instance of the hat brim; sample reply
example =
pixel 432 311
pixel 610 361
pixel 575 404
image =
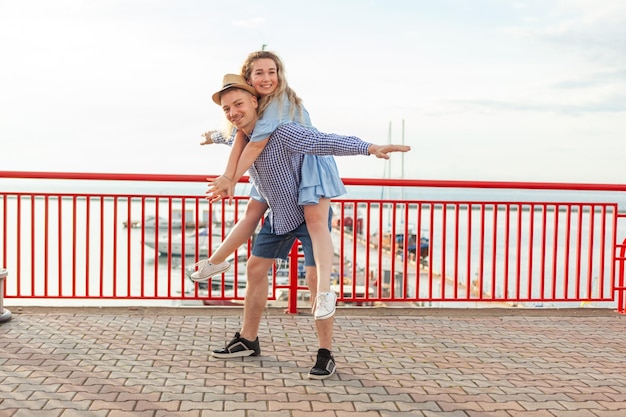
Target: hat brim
pixel 217 97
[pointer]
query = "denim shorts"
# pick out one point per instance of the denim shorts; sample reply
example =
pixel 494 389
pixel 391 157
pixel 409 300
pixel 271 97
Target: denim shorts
pixel 272 246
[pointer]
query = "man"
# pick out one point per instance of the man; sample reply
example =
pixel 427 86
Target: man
pixel 276 174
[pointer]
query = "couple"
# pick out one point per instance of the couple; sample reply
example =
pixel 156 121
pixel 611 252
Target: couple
pixel 319 179
pixel 277 177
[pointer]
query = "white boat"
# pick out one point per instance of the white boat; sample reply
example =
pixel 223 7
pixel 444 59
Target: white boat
pixel 163 222
pixel 153 222
pixel 222 286
pixel 184 243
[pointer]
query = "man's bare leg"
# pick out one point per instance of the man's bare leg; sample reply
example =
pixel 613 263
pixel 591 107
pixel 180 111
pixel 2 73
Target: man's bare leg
pixel 246 342
pixel 256 295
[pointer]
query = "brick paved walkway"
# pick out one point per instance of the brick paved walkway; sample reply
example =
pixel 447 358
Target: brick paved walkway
pixel 455 363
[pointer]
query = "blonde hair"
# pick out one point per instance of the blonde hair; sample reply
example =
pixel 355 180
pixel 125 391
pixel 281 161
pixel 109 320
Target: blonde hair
pixel 283 88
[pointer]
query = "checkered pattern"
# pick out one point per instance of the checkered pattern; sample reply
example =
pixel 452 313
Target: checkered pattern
pixel 277 170
pixel 218 137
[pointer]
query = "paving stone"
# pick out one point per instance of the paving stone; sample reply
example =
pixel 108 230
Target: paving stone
pixel 122 362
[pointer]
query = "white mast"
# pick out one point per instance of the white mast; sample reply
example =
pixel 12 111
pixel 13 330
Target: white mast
pixel 386 165
pixel 402 160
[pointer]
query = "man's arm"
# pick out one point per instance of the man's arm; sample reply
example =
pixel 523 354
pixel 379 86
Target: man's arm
pixel 305 140
pixel 207 137
pixel 217 136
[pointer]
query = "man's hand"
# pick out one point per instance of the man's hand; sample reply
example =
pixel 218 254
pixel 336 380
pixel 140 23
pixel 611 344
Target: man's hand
pixel 207 137
pixel 382 151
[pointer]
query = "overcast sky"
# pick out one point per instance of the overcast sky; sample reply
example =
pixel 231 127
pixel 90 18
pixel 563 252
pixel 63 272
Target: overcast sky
pixel 523 90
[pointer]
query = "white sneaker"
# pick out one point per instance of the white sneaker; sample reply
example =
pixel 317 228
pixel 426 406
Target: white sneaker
pixel 325 305
pixel 206 270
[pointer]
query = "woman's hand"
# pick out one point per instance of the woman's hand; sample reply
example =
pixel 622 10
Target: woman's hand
pixel 220 188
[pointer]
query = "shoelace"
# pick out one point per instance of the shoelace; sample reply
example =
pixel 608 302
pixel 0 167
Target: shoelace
pixel 322 362
pixel 321 301
pixel 281 264
pixel 201 263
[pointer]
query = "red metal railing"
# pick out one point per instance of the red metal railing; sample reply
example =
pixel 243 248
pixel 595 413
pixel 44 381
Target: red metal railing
pixel 516 252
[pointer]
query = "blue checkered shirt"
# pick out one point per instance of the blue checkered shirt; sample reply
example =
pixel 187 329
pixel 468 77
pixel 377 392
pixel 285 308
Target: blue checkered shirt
pixel 218 137
pixel 277 170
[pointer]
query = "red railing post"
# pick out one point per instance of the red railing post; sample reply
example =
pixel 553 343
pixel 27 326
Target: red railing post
pixel 620 288
pixel 292 294
pixel 524 255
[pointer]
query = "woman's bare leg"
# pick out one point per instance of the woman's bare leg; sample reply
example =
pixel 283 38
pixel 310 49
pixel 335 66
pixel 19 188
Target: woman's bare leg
pixel 316 217
pixel 241 232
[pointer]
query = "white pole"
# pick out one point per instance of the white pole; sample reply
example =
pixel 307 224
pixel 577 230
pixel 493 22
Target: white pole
pixel 5 315
pixel 402 153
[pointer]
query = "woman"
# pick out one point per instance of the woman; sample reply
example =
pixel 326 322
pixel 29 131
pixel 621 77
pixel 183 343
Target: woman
pixel 319 183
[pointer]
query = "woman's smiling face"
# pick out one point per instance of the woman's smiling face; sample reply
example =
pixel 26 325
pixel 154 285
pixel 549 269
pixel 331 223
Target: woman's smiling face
pixel 264 76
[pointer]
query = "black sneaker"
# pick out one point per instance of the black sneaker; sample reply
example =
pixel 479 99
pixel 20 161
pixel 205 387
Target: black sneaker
pixel 324 366
pixel 238 348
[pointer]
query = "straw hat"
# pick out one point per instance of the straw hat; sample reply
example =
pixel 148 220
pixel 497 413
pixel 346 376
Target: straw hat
pixel 233 81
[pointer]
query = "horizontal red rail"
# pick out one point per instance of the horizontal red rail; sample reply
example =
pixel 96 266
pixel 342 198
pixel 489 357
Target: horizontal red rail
pixel 347 181
pixel 103 246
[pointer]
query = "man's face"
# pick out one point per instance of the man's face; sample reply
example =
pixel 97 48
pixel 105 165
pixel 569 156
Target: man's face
pixel 240 108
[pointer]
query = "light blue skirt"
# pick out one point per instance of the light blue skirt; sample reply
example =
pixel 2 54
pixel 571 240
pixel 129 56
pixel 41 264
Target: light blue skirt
pixel 319 179
pixel 254 194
